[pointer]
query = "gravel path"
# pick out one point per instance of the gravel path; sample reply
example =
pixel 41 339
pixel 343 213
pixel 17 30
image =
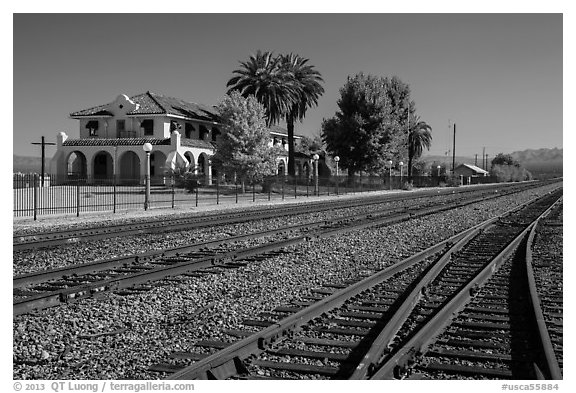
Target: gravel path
pixel 119 337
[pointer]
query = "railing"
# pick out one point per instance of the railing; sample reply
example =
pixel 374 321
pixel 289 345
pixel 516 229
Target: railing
pixel 74 195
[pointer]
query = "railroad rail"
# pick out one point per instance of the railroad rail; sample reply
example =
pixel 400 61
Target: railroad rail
pixel 378 326
pixel 64 237
pixel 50 288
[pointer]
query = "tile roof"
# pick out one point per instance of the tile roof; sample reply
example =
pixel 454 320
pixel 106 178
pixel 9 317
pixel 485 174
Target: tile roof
pixel 197 143
pixel 157 104
pixel 116 142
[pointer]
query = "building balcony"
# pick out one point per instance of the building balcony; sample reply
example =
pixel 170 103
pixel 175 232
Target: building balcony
pixel 127 134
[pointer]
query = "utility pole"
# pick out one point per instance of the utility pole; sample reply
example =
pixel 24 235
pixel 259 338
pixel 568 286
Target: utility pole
pixel 483 157
pixel 454 150
pixel 486 162
pixel 475 159
pixel 43 144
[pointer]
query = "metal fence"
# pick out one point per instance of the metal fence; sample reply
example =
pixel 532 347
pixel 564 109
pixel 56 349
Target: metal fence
pixel 34 195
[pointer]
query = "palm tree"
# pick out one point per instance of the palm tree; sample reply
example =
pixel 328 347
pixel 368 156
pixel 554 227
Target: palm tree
pixel 306 80
pixel 271 84
pixel 418 139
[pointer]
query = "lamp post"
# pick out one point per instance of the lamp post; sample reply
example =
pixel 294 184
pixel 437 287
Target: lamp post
pixel 390 173
pixel 147 148
pixel 336 160
pixel 316 157
pixel 401 166
pixel 438 167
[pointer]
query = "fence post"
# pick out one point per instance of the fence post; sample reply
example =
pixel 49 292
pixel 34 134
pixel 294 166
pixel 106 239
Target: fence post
pixel 114 194
pixel 307 181
pixel 172 180
pixel 197 187
pixel 253 191
pixel 236 189
pixel 35 186
pixel 270 190
pixel 283 181
pixel 78 197
pixel 295 187
pixel 217 190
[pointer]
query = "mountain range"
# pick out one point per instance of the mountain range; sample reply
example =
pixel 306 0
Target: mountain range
pixel 538 161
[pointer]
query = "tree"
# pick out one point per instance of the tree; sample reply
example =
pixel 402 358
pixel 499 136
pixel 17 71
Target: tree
pixel 363 132
pixel 418 139
pixel 273 86
pixel 244 148
pixel 504 159
pixel 308 89
pixel 310 145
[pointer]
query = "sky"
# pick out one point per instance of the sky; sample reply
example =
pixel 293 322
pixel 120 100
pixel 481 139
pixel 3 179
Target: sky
pixel 498 77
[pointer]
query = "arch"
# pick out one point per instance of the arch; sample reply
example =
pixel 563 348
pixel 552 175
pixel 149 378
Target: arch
pixel 202 163
pixel 307 171
pixel 103 166
pixel 157 164
pixel 281 168
pixel 129 168
pixel 191 161
pixel 205 168
pixel 76 165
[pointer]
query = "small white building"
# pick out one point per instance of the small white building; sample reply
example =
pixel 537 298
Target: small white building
pixel 112 136
pixel 469 170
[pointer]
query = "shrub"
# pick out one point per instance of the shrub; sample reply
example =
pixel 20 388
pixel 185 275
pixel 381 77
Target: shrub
pixel 407 186
pixel 453 181
pixel 510 173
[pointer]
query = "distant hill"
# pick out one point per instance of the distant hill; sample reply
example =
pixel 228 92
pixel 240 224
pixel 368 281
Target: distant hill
pixel 540 162
pixel 28 164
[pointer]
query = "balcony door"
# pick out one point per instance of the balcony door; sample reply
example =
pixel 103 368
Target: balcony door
pixel 120 128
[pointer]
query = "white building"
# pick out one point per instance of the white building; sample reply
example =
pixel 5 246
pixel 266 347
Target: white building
pixel 112 136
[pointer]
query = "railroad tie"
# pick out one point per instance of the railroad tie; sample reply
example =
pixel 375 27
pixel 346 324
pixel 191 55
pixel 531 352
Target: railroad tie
pixel 297 368
pixel 238 333
pixel 468 355
pixel 326 342
pixel 466 370
pixel 164 368
pixel 339 357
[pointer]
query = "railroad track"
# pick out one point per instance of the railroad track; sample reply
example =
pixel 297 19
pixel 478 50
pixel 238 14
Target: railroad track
pixel 379 326
pixel 66 237
pixel 128 274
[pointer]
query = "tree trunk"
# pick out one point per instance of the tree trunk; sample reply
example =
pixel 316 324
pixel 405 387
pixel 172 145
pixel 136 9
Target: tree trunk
pixel 291 162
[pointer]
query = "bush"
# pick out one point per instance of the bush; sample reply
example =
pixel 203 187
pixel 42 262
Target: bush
pixel 453 181
pixel 510 173
pixel 407 186
pixel 189 181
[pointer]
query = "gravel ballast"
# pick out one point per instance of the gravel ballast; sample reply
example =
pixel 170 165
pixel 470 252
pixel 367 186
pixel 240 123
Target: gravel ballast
pixel 119 337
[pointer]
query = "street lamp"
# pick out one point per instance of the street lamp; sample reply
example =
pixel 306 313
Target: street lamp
pixel 390 166
pixel 438 167
pixel 336 160
pixel 316 157
pixel 401 166
pixel 147 148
